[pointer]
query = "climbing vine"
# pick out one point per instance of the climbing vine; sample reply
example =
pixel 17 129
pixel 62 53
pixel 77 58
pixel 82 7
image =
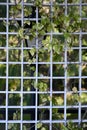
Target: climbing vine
pixel 53 29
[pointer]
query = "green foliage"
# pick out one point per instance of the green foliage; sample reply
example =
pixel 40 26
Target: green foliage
pixel 2 70
pixel 39 125
pixel 54 22
pixel 13 126
pixel 72 126
pixel 15 10
pixel 38 3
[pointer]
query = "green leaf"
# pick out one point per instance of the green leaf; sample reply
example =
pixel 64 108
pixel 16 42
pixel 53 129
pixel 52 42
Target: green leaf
pixel 32 51
pixel 21 33
pixel 24 128
pixel 64 127
pixel 43 128
pixel 10 126
pixel 39 125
